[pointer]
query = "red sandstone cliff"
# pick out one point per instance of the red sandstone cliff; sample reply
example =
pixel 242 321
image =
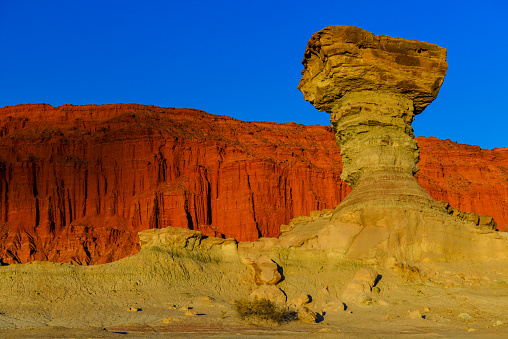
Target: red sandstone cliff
pixel 78 182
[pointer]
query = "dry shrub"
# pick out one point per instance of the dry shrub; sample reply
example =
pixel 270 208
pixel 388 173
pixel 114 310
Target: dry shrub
pixel 263 312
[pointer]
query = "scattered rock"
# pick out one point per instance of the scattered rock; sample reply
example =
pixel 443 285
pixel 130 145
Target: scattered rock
pixel 366 275
pixel 464 316
pixel 306 315
pixel 359 290
pixel 303 299
pixel 415 315
pixel 269 292
pixel 498 323
pixel 134 309
pixel 334 306
pixel 364 300
pixel 185 308
pixel 383 302
pixel 191 313
pixel 324 291
pixel 207 299
pixel 172 307
pixel 426 309
pixel 264 270
pixel 391 317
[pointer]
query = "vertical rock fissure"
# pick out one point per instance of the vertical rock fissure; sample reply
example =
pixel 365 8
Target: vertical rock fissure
pixel 85 193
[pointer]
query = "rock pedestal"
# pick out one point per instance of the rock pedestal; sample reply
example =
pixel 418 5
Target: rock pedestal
pixel 373 86
pixel 379 151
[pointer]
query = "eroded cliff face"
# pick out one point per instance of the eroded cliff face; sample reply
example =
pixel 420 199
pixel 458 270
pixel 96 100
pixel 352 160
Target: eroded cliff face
pixel 470 178
pixel 78 182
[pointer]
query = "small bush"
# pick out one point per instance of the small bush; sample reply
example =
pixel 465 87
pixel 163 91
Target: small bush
pixel 263 311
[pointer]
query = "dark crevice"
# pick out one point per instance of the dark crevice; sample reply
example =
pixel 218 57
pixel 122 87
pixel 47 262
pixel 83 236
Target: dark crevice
pixel 86 193
pixel 37 212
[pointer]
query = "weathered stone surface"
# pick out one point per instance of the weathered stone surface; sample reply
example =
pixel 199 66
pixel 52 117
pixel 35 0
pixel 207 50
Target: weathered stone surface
pixel 77 183
pixel 359 290
pixel 366 275
pixel 471 179
pixel 301 300
pixel 372 99
pixel 170 237
pixel 264 270
pixel 354 75
pixel 372 94
pixel 415 315
pixel 481 221
pixel 269 292
pixel 341 59
pixel 306 315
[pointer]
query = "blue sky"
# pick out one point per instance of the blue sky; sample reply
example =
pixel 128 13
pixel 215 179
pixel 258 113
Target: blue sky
pixel 243 58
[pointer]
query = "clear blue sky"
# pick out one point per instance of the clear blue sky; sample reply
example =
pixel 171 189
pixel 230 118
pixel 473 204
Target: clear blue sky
pixel 243 58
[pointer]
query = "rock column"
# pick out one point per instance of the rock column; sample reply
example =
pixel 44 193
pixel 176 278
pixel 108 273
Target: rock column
pixel 373 86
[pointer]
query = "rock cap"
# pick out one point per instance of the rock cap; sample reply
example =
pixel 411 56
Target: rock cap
pixel 342 59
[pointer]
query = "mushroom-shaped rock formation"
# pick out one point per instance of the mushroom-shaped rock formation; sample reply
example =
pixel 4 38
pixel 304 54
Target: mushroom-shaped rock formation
pixel 373 86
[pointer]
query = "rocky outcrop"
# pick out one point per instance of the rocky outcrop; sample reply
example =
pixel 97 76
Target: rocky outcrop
pixel 359 290
pixel 479 221
pixel 373 86
pixel 471 179
pixel 263 271
pixel 77 183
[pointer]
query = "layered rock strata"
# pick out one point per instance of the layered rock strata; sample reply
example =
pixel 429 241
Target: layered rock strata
pixel 373 86
pixel 77 183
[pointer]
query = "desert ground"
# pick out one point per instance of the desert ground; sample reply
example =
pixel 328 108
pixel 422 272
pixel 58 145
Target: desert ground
pixel 155 294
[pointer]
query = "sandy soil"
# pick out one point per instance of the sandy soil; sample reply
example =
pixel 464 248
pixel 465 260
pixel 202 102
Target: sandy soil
pixel 142 297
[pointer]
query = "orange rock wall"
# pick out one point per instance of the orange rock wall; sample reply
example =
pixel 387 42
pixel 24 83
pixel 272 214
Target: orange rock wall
pixel 78 182
pixel 468 177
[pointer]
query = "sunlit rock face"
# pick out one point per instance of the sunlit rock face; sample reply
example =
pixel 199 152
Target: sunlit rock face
pixel 77 183
pixel 340 60
pixel 373 86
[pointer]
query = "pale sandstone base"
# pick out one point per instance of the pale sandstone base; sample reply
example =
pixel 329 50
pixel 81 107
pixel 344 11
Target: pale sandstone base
pixel 51 299
pixel 330 258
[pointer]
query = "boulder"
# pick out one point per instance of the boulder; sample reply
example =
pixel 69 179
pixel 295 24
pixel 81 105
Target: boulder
pixel 340 60
pixel 301 300
pixel 264 270
pixel 306 315
pixel 269 292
